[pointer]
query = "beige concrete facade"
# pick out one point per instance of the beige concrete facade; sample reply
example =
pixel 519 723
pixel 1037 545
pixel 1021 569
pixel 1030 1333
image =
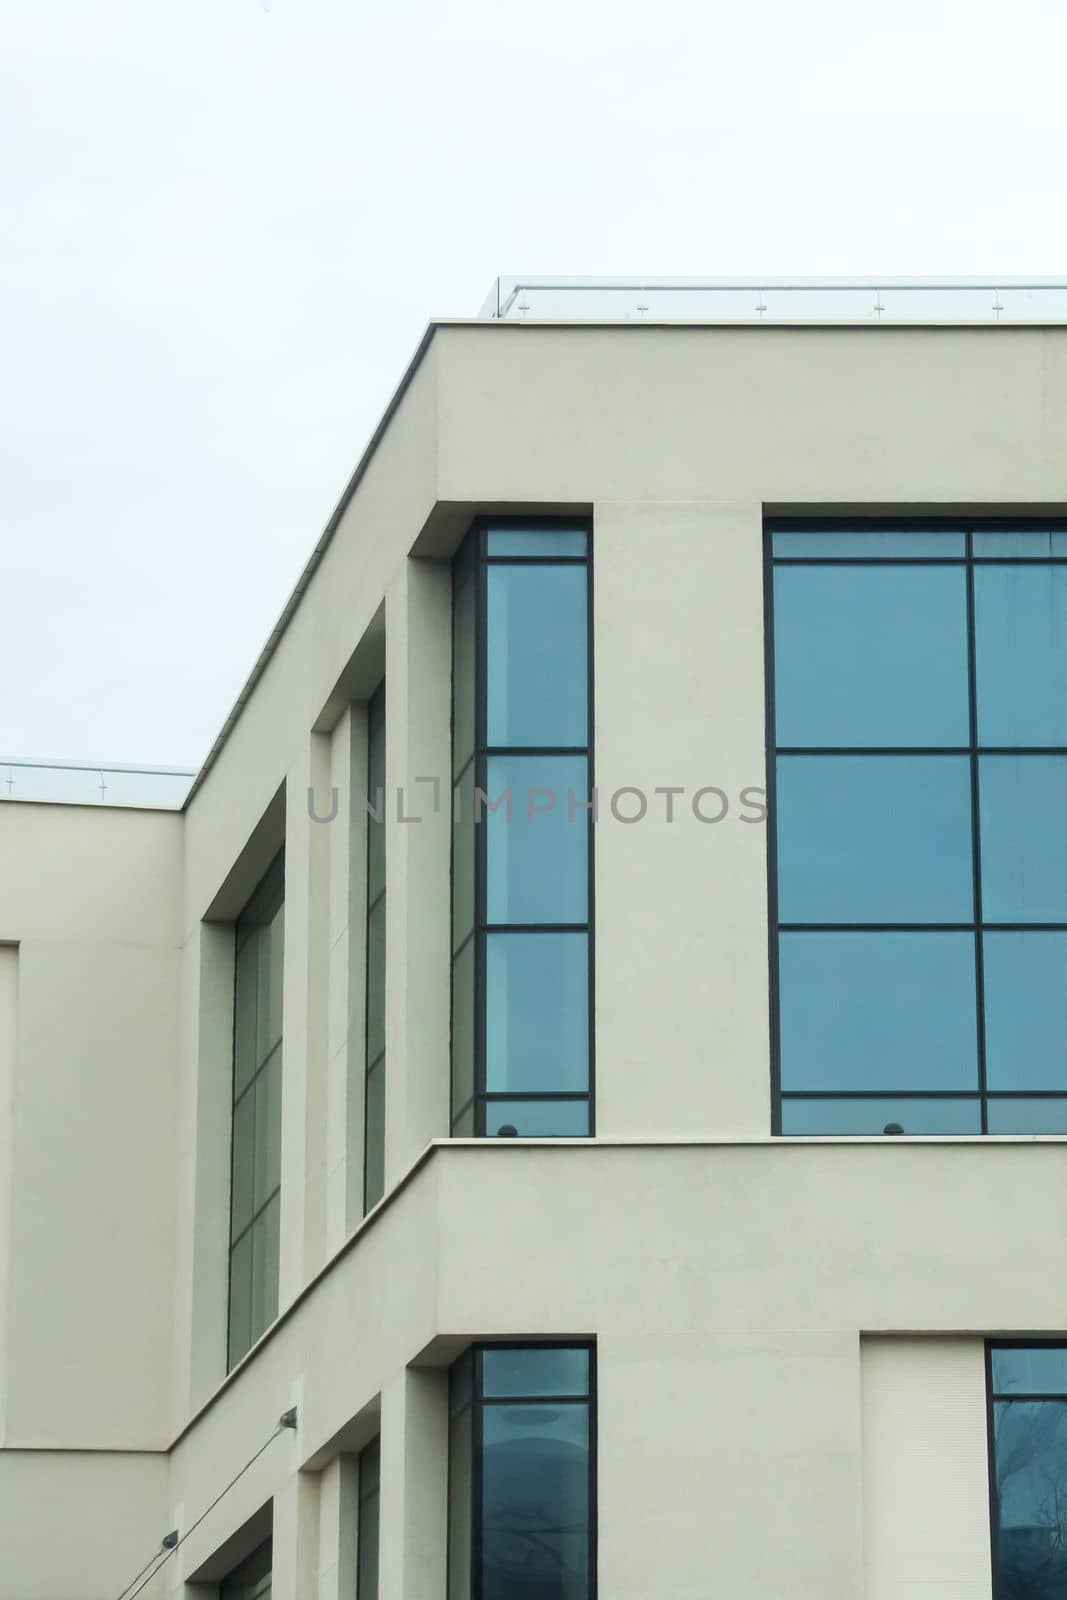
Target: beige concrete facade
pixel 789 1332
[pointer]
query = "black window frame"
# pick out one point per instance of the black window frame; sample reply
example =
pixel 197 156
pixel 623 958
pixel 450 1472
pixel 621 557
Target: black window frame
pixel 477 1403
pixel 474 549
pixel 973 750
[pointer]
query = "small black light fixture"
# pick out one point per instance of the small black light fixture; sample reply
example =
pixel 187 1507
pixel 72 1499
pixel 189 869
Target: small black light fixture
pixel 170 1540
pixel 288 1418
pixel 507 1130
pixel 893 1127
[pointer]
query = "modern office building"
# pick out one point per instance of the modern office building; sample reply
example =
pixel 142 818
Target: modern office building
pixel 573 1100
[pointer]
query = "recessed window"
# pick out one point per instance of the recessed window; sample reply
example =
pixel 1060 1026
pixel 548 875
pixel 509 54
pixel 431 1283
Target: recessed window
pixel 255 1194
pixel 521 1473
pixel 374 1104
pixel 1028 1418
pixel 522 837
pixel 252 1579
pixel 369 1531
pixel 918 679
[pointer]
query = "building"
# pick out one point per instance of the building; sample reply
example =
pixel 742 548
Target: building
pixel 400 1200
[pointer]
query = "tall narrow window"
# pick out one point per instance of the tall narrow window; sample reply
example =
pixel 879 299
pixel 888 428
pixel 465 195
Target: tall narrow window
pixel 521 1505
pixel 918 745
pixel 369 1522
pixel 252 1579
pixel 1028 1418
pixel 255 1196
pixel 374 1105
pixel 523 837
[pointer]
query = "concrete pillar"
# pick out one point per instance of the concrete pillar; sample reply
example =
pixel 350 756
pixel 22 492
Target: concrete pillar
pixel 295 1572
pixel 414 1485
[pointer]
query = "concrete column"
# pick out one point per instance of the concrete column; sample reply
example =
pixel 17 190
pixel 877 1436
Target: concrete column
pixel 295 1571
pixel 414 1485
pixel 338 1529
pixel 418 860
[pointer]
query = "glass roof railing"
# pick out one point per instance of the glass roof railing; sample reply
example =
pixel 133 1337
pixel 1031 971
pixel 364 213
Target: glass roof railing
pixel 87 783
pixel 875 301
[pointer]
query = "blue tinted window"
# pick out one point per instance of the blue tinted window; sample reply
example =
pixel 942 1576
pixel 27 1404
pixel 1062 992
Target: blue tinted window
pixel 538 1119
pixel 874 839
pixel 552 543
pixel 537 1011
pixel 538 687
pixel 1021 655
pixel 512 1370
pixel 1030 1441
pixel 878 1011
pixel 1026 1010
pixel 1026 1115
pixel 865 543
pixel 1029 1369
pixel 537 863
pixel 1024 841
pixel 871 656
pixel 535 1502
pixel 1029 544
pixel 915 1117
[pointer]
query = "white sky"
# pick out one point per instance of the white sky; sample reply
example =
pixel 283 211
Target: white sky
pixel 225 223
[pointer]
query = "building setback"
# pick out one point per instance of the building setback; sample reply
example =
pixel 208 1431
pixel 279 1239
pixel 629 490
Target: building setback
pixel 574 1102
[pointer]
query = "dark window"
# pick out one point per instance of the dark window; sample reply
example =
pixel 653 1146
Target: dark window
pixel 374 1105
pixel 522 1511
pixel 1028 1422
pixel 369 1522
pixel 255 1188
pixel 523 835
pixel 917 740
pixel 252 1579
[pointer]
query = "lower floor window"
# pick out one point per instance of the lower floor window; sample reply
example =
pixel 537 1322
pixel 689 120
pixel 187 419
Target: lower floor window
pixel 252 1579
pixel 1028 1410
pixel 521 1474
pixel 369 1522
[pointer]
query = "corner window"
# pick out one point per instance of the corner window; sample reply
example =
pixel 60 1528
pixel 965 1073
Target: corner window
pixel 917 737
pixel 523 831
pixel 1028 1418
pixel 374 1102
pixel 368 1533
pixel 255 1190
pixel 521 1506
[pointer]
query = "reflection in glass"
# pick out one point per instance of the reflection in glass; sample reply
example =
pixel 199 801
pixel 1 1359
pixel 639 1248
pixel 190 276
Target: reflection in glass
pixel 1021 544
pixel 1030 1449
pixel 1026 1019
pixel 463 1029
pixel 538 862
pixel 878 1011
pixel 551 543
pixel 869 656
pixel 535 1502
pixel 509 1370
pixel 1020 655
pixel 537 689
pixel 863 1116
pixel 463 847
pixel 862 543
pixel 874 839
pixel 1024 842
pixel 537 1011
pixel 1046 1115
pixel 538 1119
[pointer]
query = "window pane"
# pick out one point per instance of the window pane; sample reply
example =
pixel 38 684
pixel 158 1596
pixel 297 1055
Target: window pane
pixel 1026 1018
pixel 1021 544
pixel 547 542
pixel 463 837
pixel 1020 616
pixel 1035 1369
pixel 368 1535
pixel 1031 1467
pixel 538 1119
pixel 535 1502
pixel 537 1011
pixel 537 660
pixel 240 1299
pixel 460 1496
pixel 871 656
pixel 374 1159
pixel 510 1371
pixel 843 1117
pixel 463 1122
pixel 878 1011
pixel 1024 843
pixel 463 1027
pixel 537 865
pixel 464 636
pixel 874 839
pixel 376 798
pixel 242 1163
pixel 244 1022
pixel 861 543
pixel 268 1093
pixel 275 935
pixel 376 981
pixel 1027 1116
pixel 265 1246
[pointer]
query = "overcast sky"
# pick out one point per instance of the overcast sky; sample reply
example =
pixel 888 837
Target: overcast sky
pixel 224 225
